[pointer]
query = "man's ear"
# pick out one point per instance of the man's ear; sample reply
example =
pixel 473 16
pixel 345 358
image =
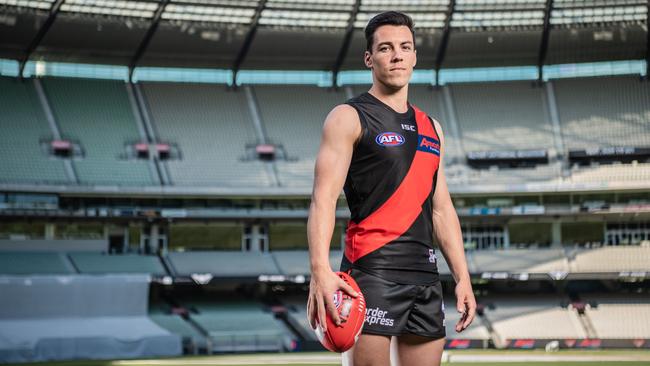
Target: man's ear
pixel 415 59
pixel 367 59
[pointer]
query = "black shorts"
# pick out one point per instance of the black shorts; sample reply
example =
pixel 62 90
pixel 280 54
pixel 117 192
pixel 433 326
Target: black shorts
pixel 397 309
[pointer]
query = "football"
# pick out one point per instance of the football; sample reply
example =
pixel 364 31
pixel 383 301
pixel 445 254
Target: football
pixel 352 312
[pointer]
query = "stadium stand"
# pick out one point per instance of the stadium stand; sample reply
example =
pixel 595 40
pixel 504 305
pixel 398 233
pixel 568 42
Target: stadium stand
pixel 603 111
pixel 297 316
pixel 476 330
pixel 175 324
pixel 23 126
pixel 293 117
pixel 518 260
pixel 611 259
pixel 223 263
pixel 215 118
pixel 431 101
pixel 240 326
pixel 296 262
pixel 292 263
pixel 335 258
pixel 502 116
pixel 96 263
pixel 53 245
pixel 611 173
pixel 98 113
pixel 28 263
pixel 44 318
pixel 619 317
pixel 211 126
pixel 441 263
pixel 529 317
pixel 462 174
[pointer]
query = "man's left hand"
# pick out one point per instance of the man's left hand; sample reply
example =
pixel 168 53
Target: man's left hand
pixel 465 304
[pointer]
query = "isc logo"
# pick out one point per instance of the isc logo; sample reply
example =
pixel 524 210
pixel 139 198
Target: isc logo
pixel 389 139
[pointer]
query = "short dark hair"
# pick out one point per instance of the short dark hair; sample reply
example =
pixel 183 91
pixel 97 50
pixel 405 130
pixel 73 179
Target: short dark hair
pixel 386 18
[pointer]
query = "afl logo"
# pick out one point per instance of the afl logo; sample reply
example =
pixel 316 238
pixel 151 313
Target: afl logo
pixel 389 139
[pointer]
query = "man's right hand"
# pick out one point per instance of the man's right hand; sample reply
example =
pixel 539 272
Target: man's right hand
pixel 322 287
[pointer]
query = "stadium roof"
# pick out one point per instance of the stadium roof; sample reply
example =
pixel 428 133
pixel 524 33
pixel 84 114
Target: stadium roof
pixel 319 34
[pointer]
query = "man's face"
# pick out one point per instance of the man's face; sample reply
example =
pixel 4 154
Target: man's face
pixel 393 56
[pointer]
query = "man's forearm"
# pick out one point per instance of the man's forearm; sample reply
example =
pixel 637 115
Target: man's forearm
pixel 320 226
pixel 450 239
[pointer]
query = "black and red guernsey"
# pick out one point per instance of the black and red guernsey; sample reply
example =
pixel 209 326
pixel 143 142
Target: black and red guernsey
pixel 389 189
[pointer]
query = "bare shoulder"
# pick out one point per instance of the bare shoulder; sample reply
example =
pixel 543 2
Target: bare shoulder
pixel 343 113
pixel 438 127
pixel 343 120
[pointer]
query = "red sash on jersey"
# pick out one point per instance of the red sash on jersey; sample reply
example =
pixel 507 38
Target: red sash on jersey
pixel 399 212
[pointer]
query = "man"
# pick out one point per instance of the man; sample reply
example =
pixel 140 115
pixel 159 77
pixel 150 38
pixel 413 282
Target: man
pixel 387 157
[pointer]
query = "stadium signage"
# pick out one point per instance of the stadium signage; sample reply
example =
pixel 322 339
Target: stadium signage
pixel 506 154
pixel 638 275
pixel 201 278
pixel 495 275
pixel 509 158
pixel 572 343
pixel 609 154
pixel 638 343
pixel 271 278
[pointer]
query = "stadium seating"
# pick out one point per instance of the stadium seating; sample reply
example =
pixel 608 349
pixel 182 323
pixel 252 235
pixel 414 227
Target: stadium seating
pixel 211 127
pixel 53 245
pixel 518 260
pixel 619 317
pixel 476 330
pixel 611 259
pixel 530 317
pixel 23 159
pixel 464 175
pixel 293 117
pixel 223 263
pixel 296 262
pixel 214 130
pixel 603 111
pixel 502 116
pixel 98 114
pixel 431 101
pixel 297 315
pixel 175 324
pixel 28 263
pixel 125 263
pixel 441 263
pixel 44 318
pixel 240 326
pixel 611 173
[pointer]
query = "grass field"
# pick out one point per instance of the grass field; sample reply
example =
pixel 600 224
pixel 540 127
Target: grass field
pixel 456 358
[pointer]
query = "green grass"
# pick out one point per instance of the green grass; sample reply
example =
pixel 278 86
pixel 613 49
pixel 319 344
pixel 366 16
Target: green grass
pixel 604 363
pixel 641 357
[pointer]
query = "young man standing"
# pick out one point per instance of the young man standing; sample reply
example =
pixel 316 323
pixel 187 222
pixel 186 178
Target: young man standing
pixel 387 157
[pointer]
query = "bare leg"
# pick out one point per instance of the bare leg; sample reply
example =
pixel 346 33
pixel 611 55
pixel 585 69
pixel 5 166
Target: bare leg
pixel 415 350
pixel 370 350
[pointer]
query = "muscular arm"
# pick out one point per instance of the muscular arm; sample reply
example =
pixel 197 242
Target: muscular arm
pixel 446 229
pixel 340 131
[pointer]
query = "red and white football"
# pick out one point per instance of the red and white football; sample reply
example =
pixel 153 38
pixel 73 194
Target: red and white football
pixel 352 312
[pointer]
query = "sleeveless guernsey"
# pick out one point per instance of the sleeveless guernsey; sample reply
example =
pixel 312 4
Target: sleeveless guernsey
pixel 389 189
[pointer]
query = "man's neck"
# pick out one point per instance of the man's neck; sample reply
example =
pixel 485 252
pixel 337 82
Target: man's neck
pixel 396 99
